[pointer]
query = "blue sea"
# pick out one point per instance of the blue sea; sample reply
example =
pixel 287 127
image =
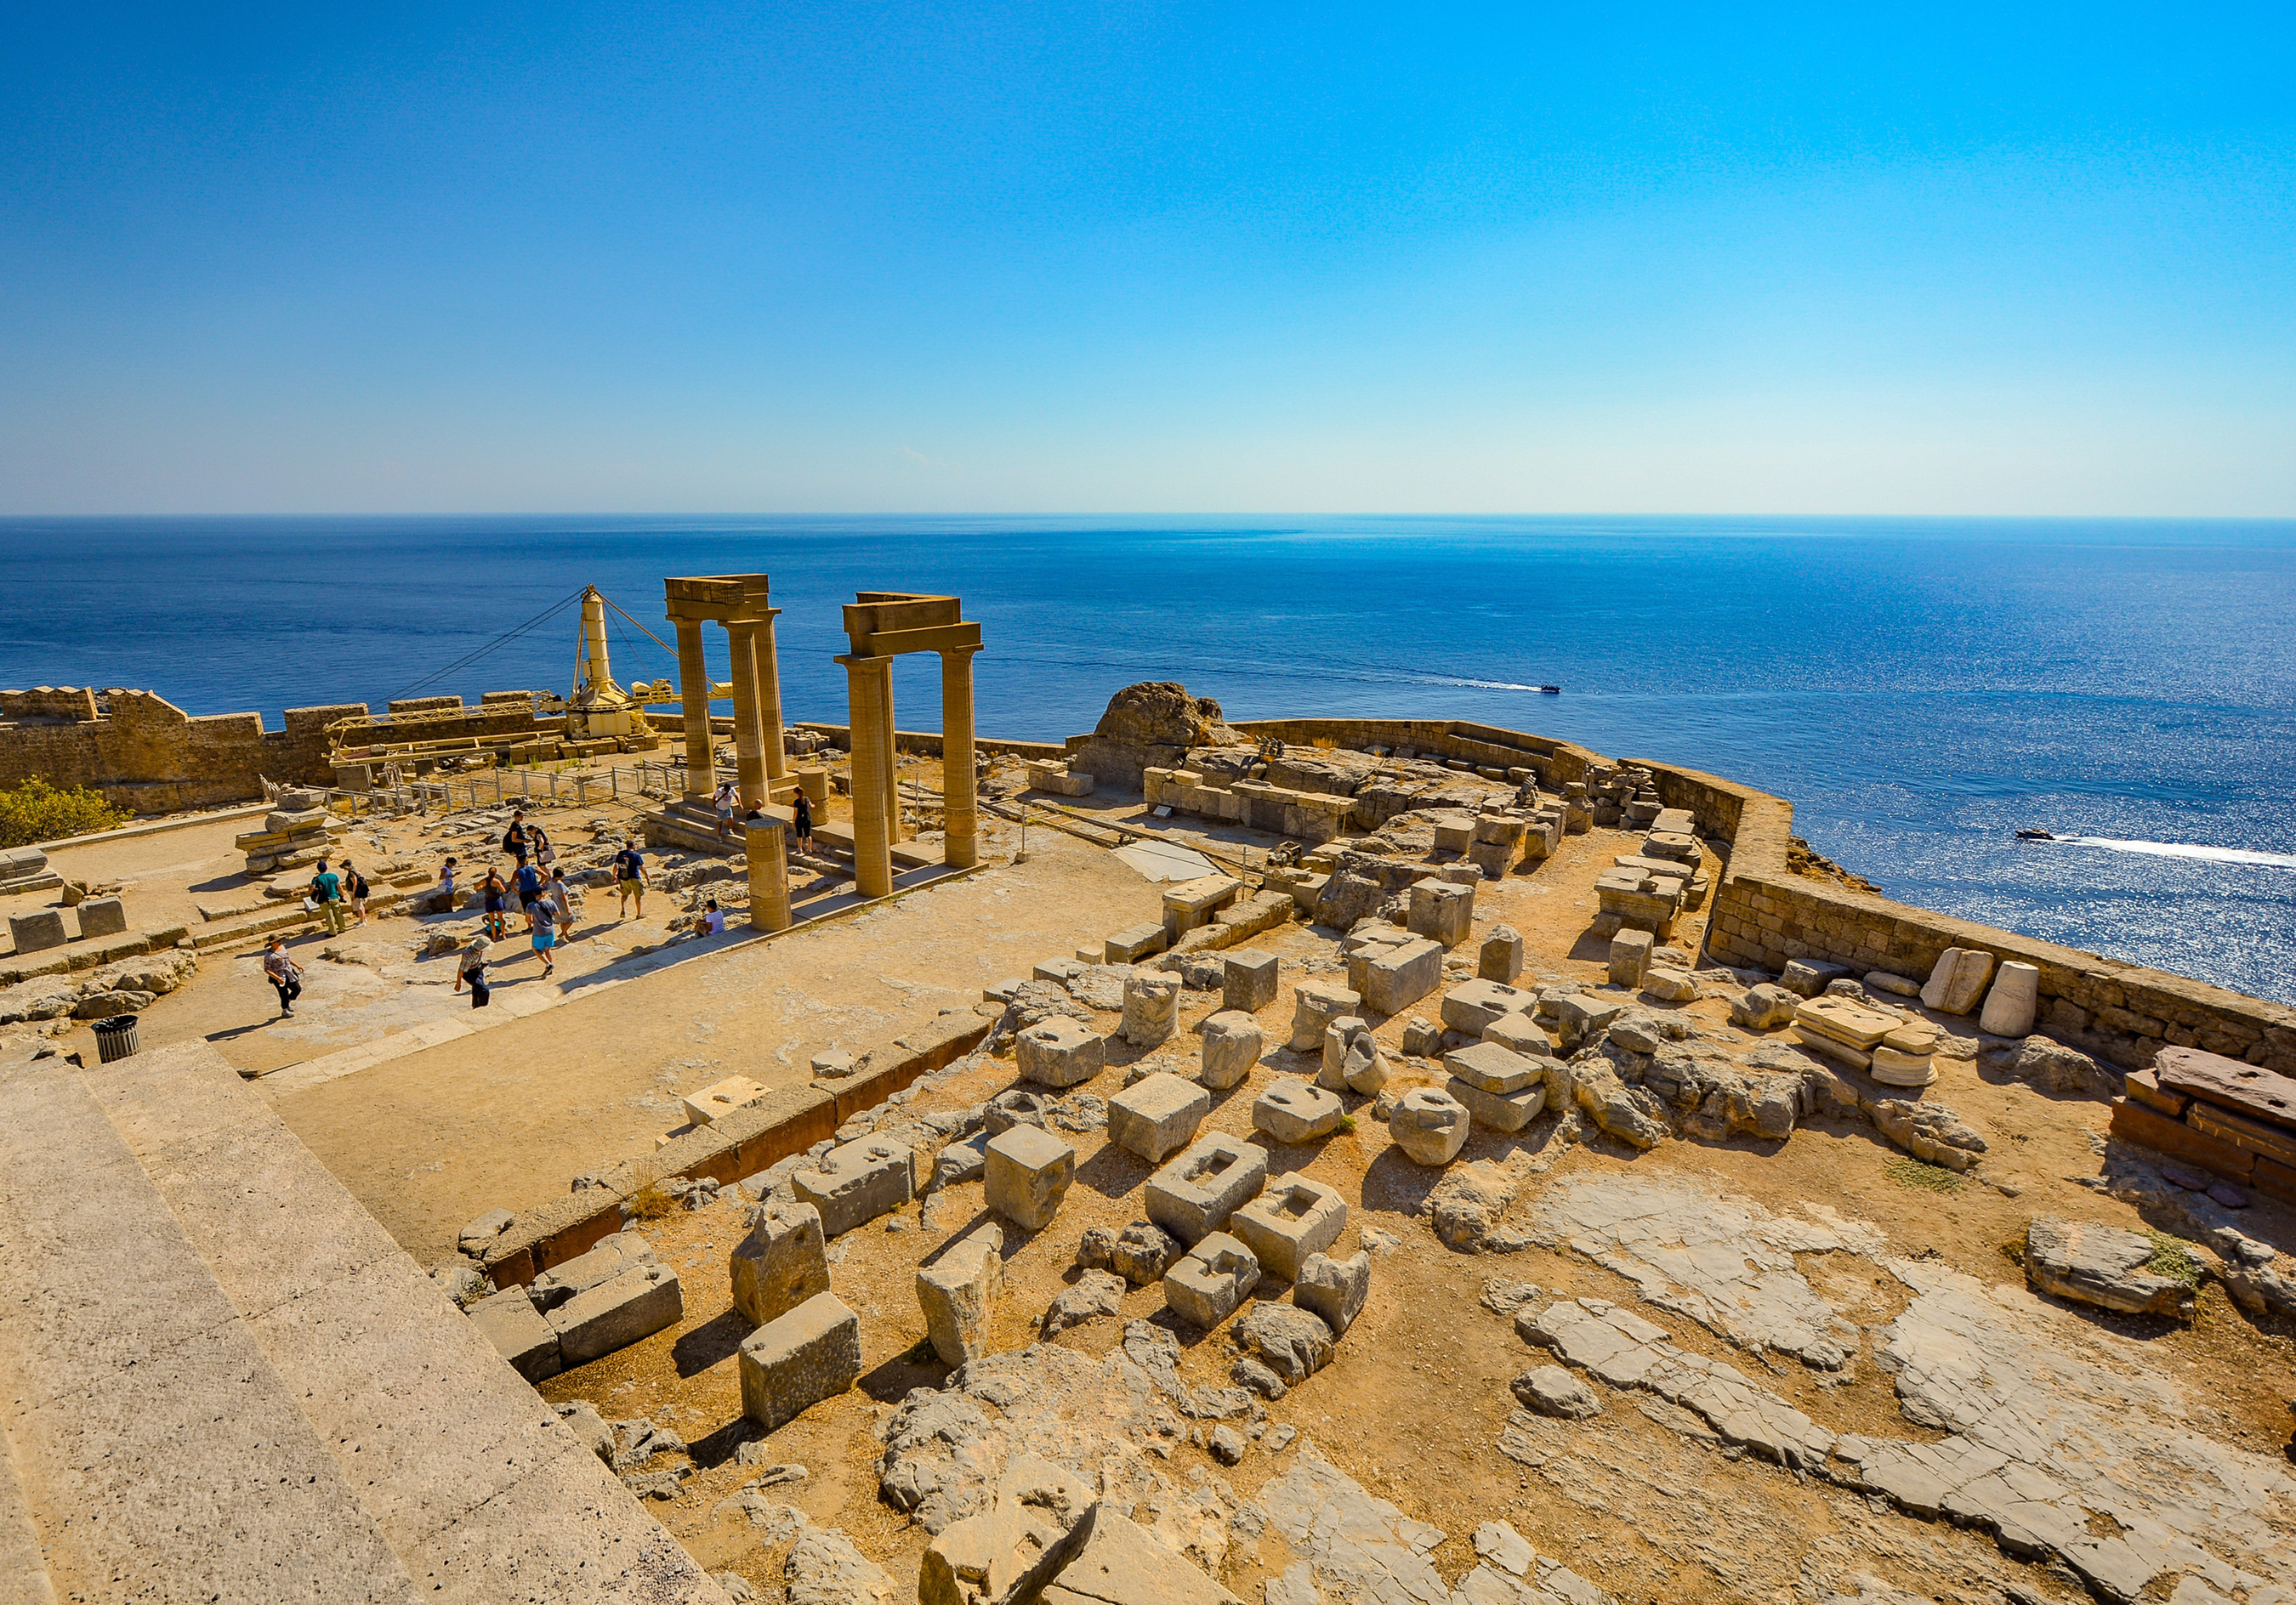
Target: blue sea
pixel 1920 688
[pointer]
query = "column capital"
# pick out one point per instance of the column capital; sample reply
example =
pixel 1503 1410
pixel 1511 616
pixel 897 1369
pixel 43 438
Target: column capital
pixel 863 661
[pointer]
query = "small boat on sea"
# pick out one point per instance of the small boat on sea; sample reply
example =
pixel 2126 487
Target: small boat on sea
pixel 1550 691
pixel 2035 833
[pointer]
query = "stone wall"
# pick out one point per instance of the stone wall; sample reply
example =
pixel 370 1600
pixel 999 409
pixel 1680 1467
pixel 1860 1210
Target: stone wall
pixel 1765 914
pixel 144 753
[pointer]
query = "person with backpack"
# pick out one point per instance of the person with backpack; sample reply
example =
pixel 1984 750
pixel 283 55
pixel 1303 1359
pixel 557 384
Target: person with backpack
pixel 355 889
pixel 723 802
pixel 514 839
pixel 629 878
pixel 472 971
pixel 327 892
pixel 284 974
pixel 495 897
pixel 801 828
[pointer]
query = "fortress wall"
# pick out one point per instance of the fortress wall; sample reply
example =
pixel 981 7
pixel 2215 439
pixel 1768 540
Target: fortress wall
pixel 146 753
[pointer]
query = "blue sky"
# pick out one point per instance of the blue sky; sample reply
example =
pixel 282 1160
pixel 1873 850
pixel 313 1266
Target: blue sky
pixel 1138 257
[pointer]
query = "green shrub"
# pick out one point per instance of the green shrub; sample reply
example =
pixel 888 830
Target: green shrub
pixel 35 811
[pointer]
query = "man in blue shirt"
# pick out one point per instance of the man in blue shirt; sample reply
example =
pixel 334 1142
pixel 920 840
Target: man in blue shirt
pixel 528 881
pixel 630 877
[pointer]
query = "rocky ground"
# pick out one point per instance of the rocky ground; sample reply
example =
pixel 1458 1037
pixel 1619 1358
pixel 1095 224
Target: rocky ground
pixel 1731 1365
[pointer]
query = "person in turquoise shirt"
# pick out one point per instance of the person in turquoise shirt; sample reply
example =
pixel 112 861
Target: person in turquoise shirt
pixel 327 892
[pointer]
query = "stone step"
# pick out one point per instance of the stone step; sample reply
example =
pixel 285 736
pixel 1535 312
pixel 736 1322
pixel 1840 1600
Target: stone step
pixel 161 1456
pixel 478 1486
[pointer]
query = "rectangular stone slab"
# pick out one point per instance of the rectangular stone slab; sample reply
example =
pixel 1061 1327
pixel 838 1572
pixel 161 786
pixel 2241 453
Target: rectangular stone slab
pixel 2247 1089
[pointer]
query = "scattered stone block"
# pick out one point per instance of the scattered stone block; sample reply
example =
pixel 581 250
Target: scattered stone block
pixel 1896 985
pixel 1807 978
pixel 1473 1007
pixel 1214 1277
pixel 1502 1089
pixel 605 1261
pixel 856 1182
pixel 1152 1007
pixel 1333 1288
pixel 1134 943
pixel 1291 1220
pixel 1630 952
pixel 1551 1390
pixel 1500 958
pixel 2102 1265
pixel 719 1098
pixel 1422 1038
pixel 1337 1036
pixel 1015 1106
pixel 1764 1008
pixel 1401 974
pixel 1670 985
pixel 797 1359
pixel 1157 1116
pixel 1519 1033
pixel 1193 902
pixel 1193 1196
pixel 1293 1343
pixel 1092 1295
pixel 1060 1051
pixel 1060 971
pixel 2011 1007
pixel 1028 1176
pixel 636 1304
pixel 38 930
pixel 1316 1005
pixel 1442 911
pixel 1232 1046
pixel 1429 1127
pixel 584 1422
pixel 1579 1016
pixel 1297 1111
pixel 102 917
pixel 479 1236
pixel 1120 1565
pixel 1248 979
pixel 1957 980
pixel 833 1064
pixel 957 1291
pixel 780 1263
pixel 519 1334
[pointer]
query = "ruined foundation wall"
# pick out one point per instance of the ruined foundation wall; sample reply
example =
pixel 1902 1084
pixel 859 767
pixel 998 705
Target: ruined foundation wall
pixel 145 753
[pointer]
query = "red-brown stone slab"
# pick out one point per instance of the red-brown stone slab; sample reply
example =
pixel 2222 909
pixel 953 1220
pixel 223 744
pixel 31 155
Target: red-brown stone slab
pixel 2258 1094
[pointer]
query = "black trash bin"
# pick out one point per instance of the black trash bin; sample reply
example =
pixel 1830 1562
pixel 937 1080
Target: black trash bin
pixel 115 1038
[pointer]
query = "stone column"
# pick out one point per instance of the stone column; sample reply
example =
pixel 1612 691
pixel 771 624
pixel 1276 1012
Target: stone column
pixel 768 856
pixel 891 758
pixel 748 745
pixel 769 707
pixel 959 817
pixel 873 849
pixel 693 692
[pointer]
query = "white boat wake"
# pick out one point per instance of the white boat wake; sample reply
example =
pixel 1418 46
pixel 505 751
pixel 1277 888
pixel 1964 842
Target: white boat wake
pixel 2179 849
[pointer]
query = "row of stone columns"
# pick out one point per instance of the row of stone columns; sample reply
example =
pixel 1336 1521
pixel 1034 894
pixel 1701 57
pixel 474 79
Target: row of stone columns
pixel 876 800
pixel 761 768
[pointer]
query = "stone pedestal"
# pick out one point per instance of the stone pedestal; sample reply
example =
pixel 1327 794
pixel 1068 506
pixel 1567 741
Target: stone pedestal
pixel 768 865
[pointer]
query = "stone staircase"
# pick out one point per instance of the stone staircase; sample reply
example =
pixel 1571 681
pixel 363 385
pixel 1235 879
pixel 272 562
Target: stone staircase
pixel 220 1379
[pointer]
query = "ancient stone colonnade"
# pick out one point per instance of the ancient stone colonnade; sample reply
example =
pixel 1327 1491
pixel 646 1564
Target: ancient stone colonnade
pixel 883 625
pixel 738 602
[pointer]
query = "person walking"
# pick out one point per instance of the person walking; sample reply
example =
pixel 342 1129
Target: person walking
pixel 802 826
pixel 327 892
pixel 545 855
pixel 497 899
pixel 514 841
pixel 724 803
pixel 284 974
pixel 630 877
pixel 527 881
pixel 560 900
pixel 473 971
pixel 355 889
pixel 542 929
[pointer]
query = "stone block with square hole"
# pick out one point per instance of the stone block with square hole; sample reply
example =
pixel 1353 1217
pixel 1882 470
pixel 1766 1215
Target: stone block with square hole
pixel 1232 1045
pixel 1060 1051
pixel 1157 1115
pixel 797 1359
pixel 780 1263
pixel 1216 1276
pixel 1247 979
pixel 1295 1109
pixel 1292 1219
pixel 1192 1196
pixel 856 1182
pixel 1027 1175
pixel 1132 943
pixel 720 1098
pixel 1443 912
pixel 1473 1007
